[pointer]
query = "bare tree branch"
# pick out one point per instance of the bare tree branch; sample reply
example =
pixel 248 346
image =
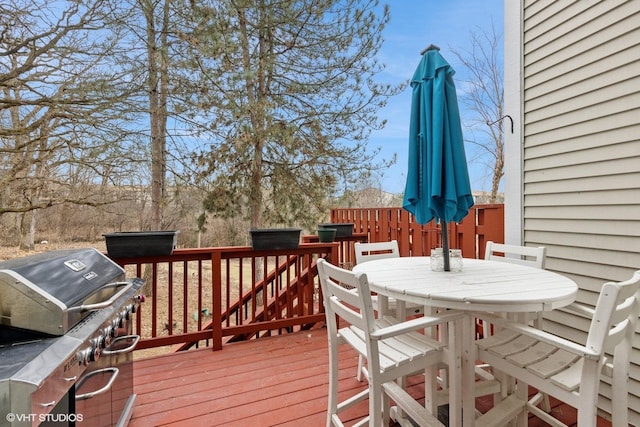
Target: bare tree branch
pixel 484 97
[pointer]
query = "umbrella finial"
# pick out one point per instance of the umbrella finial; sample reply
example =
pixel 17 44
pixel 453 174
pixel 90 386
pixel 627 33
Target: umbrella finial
pixel 430 47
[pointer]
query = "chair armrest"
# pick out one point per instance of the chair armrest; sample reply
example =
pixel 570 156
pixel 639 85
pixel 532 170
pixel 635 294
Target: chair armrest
pixel 540 335
pixel 415 324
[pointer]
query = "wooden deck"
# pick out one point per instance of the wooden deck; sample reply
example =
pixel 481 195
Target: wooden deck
pixel 278 381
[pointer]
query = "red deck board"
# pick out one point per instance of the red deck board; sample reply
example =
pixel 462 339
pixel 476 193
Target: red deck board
pixel 273 381
pixel 216 373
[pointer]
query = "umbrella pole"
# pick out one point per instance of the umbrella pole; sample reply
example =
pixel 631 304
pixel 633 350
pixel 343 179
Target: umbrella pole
pixel 445 245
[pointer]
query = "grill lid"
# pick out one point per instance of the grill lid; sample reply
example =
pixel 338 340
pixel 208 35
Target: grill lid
pixel 43 292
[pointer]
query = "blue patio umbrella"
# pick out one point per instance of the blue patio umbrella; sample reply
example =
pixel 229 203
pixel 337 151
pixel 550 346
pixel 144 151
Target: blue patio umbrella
pixel 437 178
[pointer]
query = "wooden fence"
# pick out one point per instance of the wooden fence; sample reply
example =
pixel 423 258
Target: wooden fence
pixel 483 223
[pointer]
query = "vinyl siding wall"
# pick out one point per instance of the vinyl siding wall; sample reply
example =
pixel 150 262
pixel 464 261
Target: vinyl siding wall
pixel 580 126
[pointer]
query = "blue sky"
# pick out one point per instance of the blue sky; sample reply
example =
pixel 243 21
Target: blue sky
pixel 414 25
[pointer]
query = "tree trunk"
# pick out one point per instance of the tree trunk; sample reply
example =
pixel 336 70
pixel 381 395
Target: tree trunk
pixel 157 81
pixel 28 229
pixel 498 169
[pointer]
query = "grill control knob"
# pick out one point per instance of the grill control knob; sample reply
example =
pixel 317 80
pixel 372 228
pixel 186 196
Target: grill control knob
pixel 105 336
pixel 116 324
pixel 94 353
pixel 122 319
pixel 88 355
pixel 83 357
pixel 97 344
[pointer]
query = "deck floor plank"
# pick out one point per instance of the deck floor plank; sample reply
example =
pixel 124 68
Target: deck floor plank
pixel 275 381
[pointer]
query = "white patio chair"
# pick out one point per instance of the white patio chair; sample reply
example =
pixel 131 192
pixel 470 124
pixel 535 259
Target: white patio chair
pixel 393 349
pixel 381 250
pixel 514 254
pixel 569 371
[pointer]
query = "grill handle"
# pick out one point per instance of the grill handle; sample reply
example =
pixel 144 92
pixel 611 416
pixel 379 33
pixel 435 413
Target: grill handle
pixel 134 338
pixel 114 374
pixel 106 303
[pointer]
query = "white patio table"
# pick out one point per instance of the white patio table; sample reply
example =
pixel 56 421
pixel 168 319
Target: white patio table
pixel 489 286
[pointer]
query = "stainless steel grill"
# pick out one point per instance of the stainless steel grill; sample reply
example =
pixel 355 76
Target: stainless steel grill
pixel 60 313
pixel 53 291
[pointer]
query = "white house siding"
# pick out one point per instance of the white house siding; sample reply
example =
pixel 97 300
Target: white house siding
pixel 578 111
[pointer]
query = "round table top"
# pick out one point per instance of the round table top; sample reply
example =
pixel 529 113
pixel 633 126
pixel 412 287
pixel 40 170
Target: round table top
pixel 481 285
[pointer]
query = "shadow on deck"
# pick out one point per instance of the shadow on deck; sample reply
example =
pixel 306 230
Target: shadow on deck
pixel 273 381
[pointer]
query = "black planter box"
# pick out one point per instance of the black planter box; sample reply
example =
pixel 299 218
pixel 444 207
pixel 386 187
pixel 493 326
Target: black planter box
pixel 275 238
pixel 343 229
pixel 132 244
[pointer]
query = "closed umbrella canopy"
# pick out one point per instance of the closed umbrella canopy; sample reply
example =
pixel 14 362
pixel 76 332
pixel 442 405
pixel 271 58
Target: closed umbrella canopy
pixel 437 178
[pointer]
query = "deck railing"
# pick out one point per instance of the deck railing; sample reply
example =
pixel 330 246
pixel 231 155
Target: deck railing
pixel 211 296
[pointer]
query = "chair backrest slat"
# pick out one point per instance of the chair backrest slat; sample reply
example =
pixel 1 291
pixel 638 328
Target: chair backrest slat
pixel 523 255
pixel 376 250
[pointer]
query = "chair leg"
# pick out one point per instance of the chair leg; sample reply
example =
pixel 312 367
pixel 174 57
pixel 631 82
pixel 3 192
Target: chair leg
pixel 431 390
pixel 587 406
pixel 537 323
pixel 546 403
pixel 386 405
pixel 360 367
pixel 375 404
pixel 332 406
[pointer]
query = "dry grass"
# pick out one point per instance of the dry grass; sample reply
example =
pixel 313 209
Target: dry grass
pixel 10 252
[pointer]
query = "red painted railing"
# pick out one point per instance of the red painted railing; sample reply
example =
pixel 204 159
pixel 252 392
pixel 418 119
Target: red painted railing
pixel 215 295
pixel 211 296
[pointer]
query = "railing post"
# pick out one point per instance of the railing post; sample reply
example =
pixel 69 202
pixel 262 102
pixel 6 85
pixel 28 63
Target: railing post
pixel 216 292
